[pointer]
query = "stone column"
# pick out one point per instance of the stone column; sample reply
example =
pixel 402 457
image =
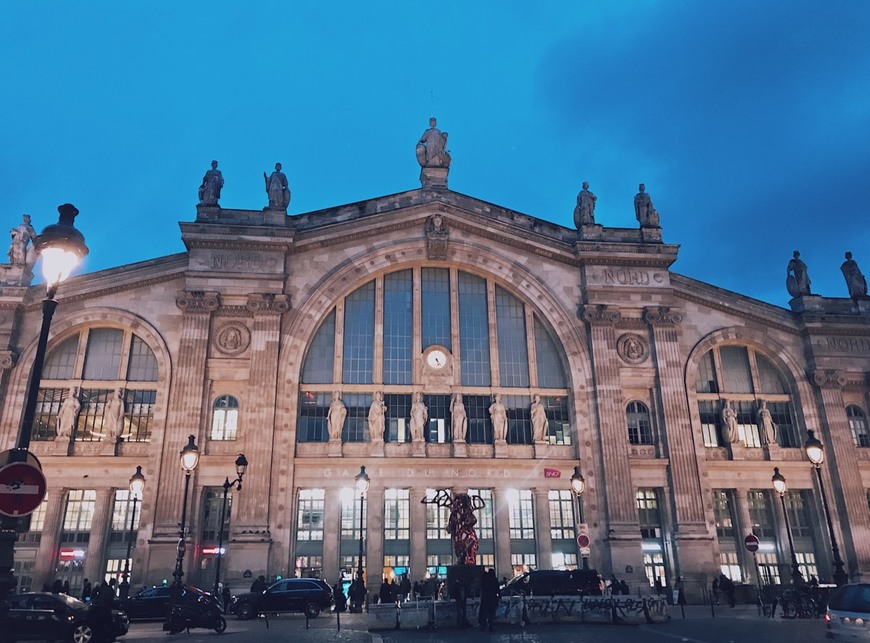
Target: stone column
pixel 49 542
pixel 692 539
pixel 95 563
pixel 502 534
pixel 418 533
pixel 375 536
pixel 543 536
pixel 742 527
pixel 331 530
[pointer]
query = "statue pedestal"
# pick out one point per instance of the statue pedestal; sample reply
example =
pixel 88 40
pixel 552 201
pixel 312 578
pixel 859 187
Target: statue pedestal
pixel 418 449
pixel 651 233
pixel 501 449
pixel 208 212
pixel 334 449
pixel 542 449
pixel 774 451
pixel 590 231
pixel 377 448
pixel 434 178
pixel 460 450
pixel 61 445
pixel 109 447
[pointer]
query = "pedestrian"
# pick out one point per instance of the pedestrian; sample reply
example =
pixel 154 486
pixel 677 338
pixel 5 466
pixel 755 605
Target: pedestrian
pixel 124 588
pixel 260 585
pixel 340 598
pixel 678 591
pixel 489 598
pixel 357 593
pixel 458 593
pixel 727 587
pixel 226 596
pixel 614 585
pixel 405 588
pixel 384 592
pixel 57 586
pixel 102 610
pixel 717 593
pixel 623 588
pixel 86 590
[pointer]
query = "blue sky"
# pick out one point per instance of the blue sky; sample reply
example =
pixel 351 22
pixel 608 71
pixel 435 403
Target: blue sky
pixel 748 122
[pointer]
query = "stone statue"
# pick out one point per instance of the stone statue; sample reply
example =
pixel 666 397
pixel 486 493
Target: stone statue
pixel 21 250
pixel 277 189
pixel 643 207
pixel 766 425
pixel 376 417
pixel 498 415
pixel 584 212
pixel 336 415
pixel 69 411
pixel 210 190
pixel 458 418
pixel 113 416
pixel 855 281
pixel 539 420
pixel 419 416
pixel 797 281
pixel 432 147
pixel 729 423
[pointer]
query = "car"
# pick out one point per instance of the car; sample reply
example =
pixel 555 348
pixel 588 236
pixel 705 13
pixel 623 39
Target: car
pixel 848 615
pixel 555 582
pixel 307 595
pixel 153 602
pixel 58 617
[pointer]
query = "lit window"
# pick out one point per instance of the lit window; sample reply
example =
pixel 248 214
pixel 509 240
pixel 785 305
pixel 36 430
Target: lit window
pixel 521 514
pixel 309 515
pixel 397 512
pixel 561 514
pixel 225 418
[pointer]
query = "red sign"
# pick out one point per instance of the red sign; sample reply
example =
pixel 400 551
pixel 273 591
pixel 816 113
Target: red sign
pixel 583 540
pixel 552 473
pixel 22 489
pixel 751 543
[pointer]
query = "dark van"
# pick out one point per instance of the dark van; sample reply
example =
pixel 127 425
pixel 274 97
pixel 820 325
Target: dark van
pixel 555 582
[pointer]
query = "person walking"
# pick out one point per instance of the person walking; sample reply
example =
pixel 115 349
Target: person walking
pixel 86 590
pixel 340 598
pixel 489 598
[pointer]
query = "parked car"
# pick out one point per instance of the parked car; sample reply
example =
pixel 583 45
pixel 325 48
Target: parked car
pixel 58 617
pixel 153 602
pixel 307 595
pixel 848 615
pixel 555 582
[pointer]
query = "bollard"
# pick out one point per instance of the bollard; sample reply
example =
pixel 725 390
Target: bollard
pixel 398 626
pixel 337 620
pixel 306 620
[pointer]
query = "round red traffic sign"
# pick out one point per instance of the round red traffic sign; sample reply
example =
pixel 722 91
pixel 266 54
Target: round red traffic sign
pixel 583 540
pixel 751 543
pixel 22 489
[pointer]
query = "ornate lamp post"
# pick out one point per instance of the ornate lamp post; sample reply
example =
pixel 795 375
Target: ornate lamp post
pixel 189 460
pixel 137 486
pixel 362 486
pixel 61 247
pixel 578 485
pixel 779 485
pixel 816 454
pixel 241 467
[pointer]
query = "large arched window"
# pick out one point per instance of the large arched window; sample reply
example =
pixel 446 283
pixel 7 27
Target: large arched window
pixel 858 424
pixel 377 338
pixel 639 428
pixel 112 374
pixel 747 382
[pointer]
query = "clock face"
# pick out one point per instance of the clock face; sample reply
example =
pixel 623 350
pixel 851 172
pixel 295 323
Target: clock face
pixel 436 359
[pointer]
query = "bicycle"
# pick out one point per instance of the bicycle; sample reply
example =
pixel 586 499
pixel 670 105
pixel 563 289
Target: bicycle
pixel 798 604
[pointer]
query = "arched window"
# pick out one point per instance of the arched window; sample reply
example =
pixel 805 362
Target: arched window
pixel 225 418
pixel 750 384
pixel 111 373
pixel 858 424
pixel 493 341
pixel 639 429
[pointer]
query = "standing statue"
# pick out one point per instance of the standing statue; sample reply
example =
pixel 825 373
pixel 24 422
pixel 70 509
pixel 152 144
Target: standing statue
pixel 335 417
pixel 539 420
pixel 729 422
pixel 643 207
pixel 69 411
pixel 797 280
pixel 377 412
pixel 17 249
pixel 113 416
pixel 432 147
pixel 855 281
pixel 277 189
pixel 210 190
pixel 419 416
pixel 584 212
pixel 498 415
pixel 458 418
pixel 460 523
pixel 21 251
pixel 766 425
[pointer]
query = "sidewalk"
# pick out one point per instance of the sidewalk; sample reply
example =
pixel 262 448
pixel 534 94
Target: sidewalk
pixel 719 611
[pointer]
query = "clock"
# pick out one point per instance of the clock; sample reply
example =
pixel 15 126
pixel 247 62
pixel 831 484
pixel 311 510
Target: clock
pixel 436 359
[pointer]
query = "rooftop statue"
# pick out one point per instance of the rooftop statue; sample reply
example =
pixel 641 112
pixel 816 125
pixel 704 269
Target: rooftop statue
pixel 277 189
pixel 584 212
pixel 797 280
pixel 210 190
pixel 432 147
pixel 855 281
pixel 21 251
pixel 643 208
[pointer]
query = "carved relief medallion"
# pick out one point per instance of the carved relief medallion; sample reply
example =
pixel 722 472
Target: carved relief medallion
pixel 632 348
pixel 232 338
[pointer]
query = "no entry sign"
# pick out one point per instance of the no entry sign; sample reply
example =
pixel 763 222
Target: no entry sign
pixel 751 543
pixel 22 489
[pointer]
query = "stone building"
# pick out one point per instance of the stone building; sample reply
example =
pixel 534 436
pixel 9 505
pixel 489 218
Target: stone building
pixel 246 339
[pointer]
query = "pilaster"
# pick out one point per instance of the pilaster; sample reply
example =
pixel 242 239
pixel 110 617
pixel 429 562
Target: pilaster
pixel 49 541
pixel 543 534
pixel 502 533
pixel 375 536
pixel 97 541
pixel 418 531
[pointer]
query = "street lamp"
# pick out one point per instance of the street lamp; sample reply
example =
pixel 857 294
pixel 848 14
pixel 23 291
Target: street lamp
pixel 137 486
pixel 241 467
pixel 189 460
pixel 816 454
pixel 779 485
pixel 578 485
pixel 61 247
pixel 362 485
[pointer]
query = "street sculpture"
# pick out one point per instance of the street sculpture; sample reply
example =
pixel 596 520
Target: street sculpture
pixel 460 524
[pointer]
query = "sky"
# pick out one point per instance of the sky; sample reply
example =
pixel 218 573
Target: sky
pixel 749 122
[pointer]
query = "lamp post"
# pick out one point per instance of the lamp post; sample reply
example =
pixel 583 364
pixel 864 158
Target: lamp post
pixel 137 486
pixel 578 485
pixel 241 467
pixel 61 247
pixel 816 454
pixel 779 485
pixel 189 460
pixel 362 485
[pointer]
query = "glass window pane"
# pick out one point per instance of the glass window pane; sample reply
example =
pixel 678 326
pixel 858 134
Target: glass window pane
pixel 103 358
pixel 321 354
pixel 770 379
pixel 858 424
pixel 479 424
pixel 436 307
pixel 309 517
pixel 313 411
pixel 639 429
pixel 356 424
pixel 513 352
pixel 735 369
pixel 551 374
pixel 398 327
pixel 359 335
pixel 706 379
pixel 397 514
pixel 474 331
pixel 225 418
pixel 60 362
pixel 143 363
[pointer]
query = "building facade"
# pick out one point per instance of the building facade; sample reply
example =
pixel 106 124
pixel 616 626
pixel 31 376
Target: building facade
pixel 444 343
